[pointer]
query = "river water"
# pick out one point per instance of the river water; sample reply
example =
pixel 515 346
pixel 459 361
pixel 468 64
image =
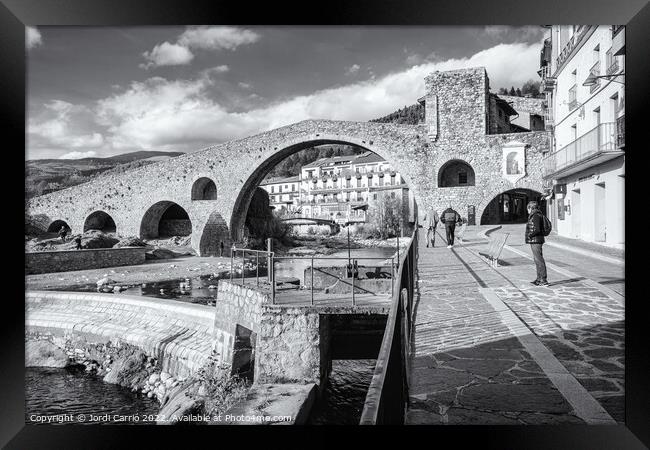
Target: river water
pixel 53 392
pixel 57 391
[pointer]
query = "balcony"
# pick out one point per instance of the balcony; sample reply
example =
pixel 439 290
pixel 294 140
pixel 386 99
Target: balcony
pixel 620 132
pixel 572 44
pixel 548 81
pixel 593 148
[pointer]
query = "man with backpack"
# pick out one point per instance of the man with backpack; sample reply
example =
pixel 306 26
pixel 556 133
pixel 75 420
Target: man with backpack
pixel 537 227
pixel 450 217
pixel 431 220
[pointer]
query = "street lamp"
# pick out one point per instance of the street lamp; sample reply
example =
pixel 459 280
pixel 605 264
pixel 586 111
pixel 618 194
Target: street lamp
pixel 591 79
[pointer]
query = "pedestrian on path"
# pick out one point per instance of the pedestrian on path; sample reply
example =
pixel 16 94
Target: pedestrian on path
pixel 450 217
pixel 77 241
pixel 535 231
pixel 63 232
pixel 431 219
pixel 221 247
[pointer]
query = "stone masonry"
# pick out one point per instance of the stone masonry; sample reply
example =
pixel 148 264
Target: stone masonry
pixel 60 261
pixel 455 129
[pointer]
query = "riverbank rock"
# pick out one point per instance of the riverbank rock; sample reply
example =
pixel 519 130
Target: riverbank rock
pixel 181 400
pixel 130 241
pixel 91 239
pixel 164 253
pixel 43 353
pixel 128 370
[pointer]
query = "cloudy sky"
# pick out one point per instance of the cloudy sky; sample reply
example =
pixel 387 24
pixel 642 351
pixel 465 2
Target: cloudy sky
pixel 105 91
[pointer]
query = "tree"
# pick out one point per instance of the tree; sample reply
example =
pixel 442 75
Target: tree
pixel 518 92
pixel 503 91
pixel 512 91
pixel 531 87
pixel 385 215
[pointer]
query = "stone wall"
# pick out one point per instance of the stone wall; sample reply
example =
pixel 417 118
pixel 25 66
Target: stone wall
pixel 175 227
pixel 66 260
pixel 179 334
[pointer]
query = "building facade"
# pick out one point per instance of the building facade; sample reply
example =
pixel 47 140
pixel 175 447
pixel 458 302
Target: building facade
pixel 283 192
pixel 582 70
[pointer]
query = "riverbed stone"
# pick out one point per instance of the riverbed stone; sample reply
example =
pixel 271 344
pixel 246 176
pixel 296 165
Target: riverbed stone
pixel 43 353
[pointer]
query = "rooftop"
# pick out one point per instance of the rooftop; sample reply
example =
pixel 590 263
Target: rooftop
pixel 364 158
pixel 294 179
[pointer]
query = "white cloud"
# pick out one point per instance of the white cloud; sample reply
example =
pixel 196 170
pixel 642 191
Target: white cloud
pixel 78 155
pixel 167 54
pixel 354 68
pixel 53 129
pixel 243 85
pixel 205 38
pixel 181 115
pixel 32 37
pixel 217 38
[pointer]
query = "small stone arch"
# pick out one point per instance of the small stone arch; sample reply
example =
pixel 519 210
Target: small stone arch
pixel 163 219
pixel 55 226
pixel 214 233
pixel 456 173
pixel 100 220
pixel 509 206
pixel 204 189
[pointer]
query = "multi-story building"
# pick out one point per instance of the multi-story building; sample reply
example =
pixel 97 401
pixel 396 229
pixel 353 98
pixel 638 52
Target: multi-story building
pixel 283 192
pixel 343 188
pixel 582 70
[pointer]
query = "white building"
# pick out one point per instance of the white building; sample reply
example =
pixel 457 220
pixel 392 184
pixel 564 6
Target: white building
pixel 583 78
pixel 283 192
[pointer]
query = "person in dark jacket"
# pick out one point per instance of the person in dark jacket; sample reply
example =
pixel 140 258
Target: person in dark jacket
pixel 77 241
pixel 450 217
pixel 535 237
pixel 63 232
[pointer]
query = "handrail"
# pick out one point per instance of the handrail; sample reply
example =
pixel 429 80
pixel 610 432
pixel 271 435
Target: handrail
pixel 387 394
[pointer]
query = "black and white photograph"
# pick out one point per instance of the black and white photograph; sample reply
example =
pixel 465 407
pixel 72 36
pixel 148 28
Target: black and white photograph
pixel 325 225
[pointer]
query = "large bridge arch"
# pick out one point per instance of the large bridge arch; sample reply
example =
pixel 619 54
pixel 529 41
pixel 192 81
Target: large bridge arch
pixel 482 211
pixel 289 147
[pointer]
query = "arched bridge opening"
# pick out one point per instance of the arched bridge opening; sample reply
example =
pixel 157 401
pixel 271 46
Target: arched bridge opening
pixel 56 226
pixel 243 201
pixel 510 207
pixel 165 219
pixel 204 189
pixel 100 220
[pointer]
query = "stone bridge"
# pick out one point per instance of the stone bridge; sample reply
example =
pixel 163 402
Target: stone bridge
pixel 207 193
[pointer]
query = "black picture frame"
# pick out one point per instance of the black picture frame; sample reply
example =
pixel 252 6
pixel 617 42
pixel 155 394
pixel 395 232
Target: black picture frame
pixel 15 14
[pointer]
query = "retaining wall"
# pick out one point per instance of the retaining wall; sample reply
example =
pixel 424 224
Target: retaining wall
pixel 67 260
pixel 179 334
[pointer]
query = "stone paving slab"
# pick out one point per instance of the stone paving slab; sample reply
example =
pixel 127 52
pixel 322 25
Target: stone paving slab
pixel 467 365
pixel 581 322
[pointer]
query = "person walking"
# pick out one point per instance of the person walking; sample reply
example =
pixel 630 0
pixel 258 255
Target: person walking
pixel 221 246
pixel 431 220
pixel 450 217
pixel 63 232
pixel 535 232
pixel 77 241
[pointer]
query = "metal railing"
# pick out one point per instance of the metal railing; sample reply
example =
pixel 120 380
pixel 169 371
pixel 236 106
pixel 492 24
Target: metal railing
pixel 388 393
pixel 620 132
pixel 602 138
pixel 351 270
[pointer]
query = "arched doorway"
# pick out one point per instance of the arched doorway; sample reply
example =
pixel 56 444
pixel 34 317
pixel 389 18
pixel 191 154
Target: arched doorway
pixel 100 220
pixel 510 207
pixel 204 189
pixel 165 219
pixel 56 226
pixel 245 195
pixel 456 173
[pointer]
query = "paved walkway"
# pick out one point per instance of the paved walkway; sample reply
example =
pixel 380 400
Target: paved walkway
pixel 490 348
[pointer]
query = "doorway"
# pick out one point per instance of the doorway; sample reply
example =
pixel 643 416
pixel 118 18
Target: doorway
pixel 575 213
pixel 600 219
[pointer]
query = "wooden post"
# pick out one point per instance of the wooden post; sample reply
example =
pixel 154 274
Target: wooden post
pixel 269 261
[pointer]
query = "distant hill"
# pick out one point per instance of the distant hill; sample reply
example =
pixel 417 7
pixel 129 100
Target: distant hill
pixel 409 115
pixel 43 176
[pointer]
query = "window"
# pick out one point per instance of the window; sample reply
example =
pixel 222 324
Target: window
pixel 374 196
pixel 615 105
pixel 272 189
pixel 280 188
pixel 293 188
pixel 392 179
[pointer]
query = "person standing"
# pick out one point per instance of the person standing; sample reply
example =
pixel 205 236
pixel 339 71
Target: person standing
pixel 535 237
pixel 450 217
pixel 221 247
pixel 431 220
pixel 77 241
pixel 63 232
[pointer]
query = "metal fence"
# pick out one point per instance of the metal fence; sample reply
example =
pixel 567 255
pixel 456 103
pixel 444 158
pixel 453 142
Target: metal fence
pixel 387 397
pixel 351 270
